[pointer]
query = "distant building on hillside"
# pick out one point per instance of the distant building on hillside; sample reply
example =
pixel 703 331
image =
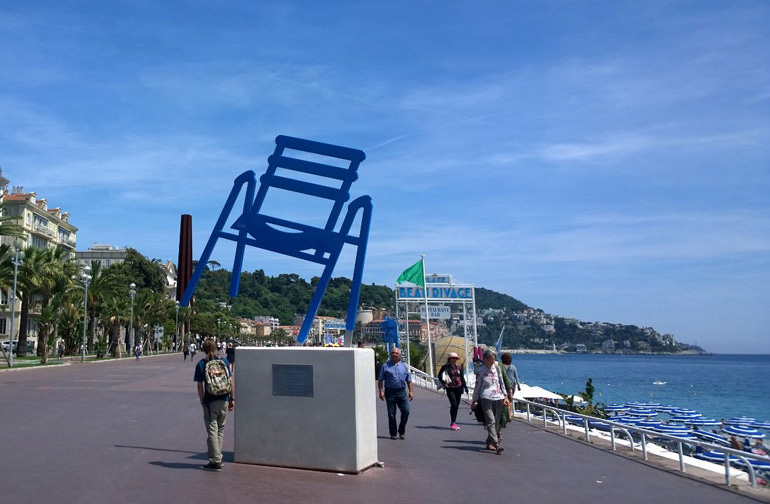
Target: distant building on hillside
pixel 106 255
pixel 608 345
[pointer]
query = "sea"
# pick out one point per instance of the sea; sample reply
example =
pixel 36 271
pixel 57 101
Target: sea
pixel 718 385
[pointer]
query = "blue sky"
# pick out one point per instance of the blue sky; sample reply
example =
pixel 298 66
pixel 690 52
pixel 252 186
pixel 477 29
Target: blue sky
pixel 608 161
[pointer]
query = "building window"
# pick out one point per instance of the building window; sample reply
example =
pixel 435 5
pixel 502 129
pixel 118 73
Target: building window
pixel 3 325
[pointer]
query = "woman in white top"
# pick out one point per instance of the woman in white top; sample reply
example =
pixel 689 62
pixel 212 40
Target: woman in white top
pixel 489 394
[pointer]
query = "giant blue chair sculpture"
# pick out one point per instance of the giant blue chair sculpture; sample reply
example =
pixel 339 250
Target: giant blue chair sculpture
pixel 311 171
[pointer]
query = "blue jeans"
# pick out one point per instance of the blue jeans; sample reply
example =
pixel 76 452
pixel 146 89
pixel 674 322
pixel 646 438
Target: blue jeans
pixel 397 398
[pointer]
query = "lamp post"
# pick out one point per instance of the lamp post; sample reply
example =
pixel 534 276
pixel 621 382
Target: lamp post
pixel 16 261
pixel 86 277
pixel 217 329
pixel 176 330
pixel 131 293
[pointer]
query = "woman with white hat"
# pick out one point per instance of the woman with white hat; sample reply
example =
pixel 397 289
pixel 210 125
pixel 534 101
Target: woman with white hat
pixel 453 379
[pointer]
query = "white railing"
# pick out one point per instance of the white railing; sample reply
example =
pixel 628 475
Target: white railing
pixel 424 380
pixel 560 416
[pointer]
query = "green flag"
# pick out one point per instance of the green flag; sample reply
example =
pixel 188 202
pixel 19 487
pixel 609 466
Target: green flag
pixel 413 274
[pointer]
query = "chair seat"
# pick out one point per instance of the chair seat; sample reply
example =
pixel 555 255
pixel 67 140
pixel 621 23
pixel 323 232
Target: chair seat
pixel 288 239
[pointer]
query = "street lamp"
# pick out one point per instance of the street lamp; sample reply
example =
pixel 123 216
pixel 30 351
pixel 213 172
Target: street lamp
pixel 86 277
pixel 176 331
pixel 217 329
pixel 131 293
pixel 16 261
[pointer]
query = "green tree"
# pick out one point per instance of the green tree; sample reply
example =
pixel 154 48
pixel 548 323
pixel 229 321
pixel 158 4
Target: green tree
pixel 50 272
pixel 103 285
pixel 9 224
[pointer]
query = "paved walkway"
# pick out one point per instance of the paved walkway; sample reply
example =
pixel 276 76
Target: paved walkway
pixel 131 432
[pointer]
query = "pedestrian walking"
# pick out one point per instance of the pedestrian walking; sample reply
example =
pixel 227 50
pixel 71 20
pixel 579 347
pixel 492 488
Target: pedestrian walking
pixel 511 371
pixel 394 382
pixel 185 351
pixel 488 395
pixel 452 378
pixel 216 393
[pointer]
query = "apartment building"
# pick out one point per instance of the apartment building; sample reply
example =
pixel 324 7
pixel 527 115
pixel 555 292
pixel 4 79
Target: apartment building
pixel 42 227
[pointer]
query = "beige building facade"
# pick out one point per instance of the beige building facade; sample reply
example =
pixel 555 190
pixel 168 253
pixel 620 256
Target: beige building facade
pixel 42 227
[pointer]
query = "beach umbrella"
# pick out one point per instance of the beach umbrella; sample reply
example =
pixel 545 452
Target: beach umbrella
pixel 625 420
pixel 648 424
pixel 743 431
pixel 683 418
pixel 666 409
pixel 685 412
pixel 576 399
pixel 742 420
pixel 524 393
pixel 760 425
pixel 644 412
pixel 615 409
pixel 635 404
pixel 541 393
pixel 701 421
pixel 672 430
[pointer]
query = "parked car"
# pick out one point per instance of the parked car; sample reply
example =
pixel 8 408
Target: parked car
pixel 30 346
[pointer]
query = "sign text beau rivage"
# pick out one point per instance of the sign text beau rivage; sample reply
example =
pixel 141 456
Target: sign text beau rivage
pixel 436 287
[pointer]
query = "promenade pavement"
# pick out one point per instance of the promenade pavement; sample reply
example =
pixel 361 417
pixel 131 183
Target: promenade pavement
pixel 130 431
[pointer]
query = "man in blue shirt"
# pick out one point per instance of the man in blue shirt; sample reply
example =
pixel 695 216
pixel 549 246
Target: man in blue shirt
pixel 394 381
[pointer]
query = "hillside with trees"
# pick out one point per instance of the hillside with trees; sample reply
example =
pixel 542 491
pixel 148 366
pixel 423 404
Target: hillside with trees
pixel 287 295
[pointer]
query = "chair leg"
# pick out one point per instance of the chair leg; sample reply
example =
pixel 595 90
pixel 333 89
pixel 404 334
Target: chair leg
pixel 358 270
pixel 204 259
pixel 235 276
pixel 316 301
pixel 248 178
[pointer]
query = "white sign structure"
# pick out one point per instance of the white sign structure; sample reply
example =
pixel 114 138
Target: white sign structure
pixel 442 296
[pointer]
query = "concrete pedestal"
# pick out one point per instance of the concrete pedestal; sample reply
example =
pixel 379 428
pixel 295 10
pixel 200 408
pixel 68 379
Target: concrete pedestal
pixel 306 408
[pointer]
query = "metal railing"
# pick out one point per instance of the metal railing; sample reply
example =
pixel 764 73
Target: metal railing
pixel 424 380
pixel 645 434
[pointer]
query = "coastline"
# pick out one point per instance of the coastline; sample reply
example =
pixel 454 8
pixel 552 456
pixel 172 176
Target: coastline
pixel 532 351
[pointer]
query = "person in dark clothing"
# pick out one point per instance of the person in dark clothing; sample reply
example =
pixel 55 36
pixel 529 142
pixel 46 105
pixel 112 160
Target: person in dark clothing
pixel 453 379
pixel 215 407
pixel 230 355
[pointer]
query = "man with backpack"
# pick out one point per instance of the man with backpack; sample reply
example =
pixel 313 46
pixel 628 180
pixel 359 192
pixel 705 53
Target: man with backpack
pixel 217 396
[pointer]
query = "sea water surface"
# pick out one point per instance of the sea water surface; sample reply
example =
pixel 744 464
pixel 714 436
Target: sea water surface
pixel 718 386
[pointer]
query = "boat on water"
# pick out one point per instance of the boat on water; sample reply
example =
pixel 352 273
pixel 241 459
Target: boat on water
pixel 659 382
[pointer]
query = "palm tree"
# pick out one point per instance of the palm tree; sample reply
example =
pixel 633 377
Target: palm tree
pixel 49 272
pixel 152 312
pixel 28 280
pixel 6 277
pixel 103 285
pixel 9 224
pixel 115 311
